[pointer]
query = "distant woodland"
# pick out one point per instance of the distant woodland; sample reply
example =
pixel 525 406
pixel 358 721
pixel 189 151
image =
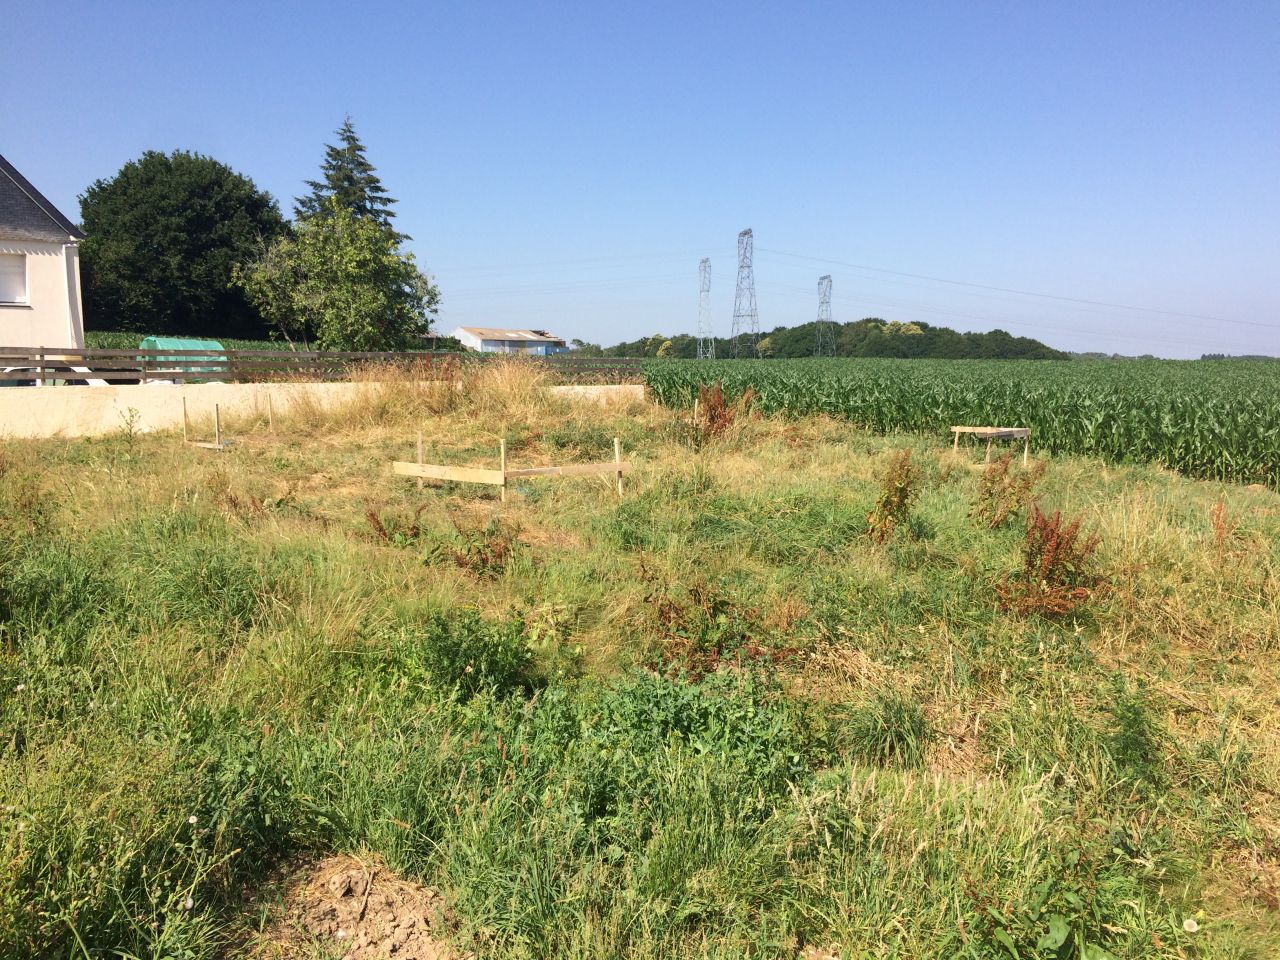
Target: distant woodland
pixel 871 337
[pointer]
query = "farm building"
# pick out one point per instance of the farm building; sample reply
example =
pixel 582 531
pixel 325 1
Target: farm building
pixel 39 268
pixel 491 340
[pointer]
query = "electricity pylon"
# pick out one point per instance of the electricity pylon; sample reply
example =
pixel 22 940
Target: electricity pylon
pixel 746 322
pixel 825 342
pixel 706 336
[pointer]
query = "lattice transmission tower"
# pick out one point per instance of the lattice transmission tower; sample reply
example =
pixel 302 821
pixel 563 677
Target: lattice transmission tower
pixel 746 322
pixel 706 336
pixel 825 345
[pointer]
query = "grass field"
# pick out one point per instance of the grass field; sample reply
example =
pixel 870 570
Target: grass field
pixel 714 717
pixel 1212 419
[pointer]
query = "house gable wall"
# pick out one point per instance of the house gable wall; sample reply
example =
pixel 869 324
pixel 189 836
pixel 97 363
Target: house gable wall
pixel 51 317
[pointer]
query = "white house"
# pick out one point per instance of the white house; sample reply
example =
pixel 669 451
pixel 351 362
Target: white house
pixel 39 268
pixel 490 340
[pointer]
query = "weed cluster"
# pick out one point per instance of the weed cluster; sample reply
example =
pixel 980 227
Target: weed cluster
pixel 702 627
pixel 1135 740
pixel 462 652
pixel 400 533
pixel 717 416
pixel 482 551
pixel 1004 490
pixel 1057 572
pixel 1224 529
pixel 25 499
pixel 899 484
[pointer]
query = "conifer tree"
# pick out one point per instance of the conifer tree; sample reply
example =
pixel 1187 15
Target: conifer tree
pixel 348 177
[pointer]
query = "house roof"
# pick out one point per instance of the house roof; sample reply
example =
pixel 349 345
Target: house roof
pixel 493 333
pixel 25 214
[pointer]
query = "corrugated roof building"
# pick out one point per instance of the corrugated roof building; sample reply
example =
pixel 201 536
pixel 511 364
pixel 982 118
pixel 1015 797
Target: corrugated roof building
pixel 494 340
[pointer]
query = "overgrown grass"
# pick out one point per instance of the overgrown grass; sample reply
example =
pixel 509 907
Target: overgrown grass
pixel 710 718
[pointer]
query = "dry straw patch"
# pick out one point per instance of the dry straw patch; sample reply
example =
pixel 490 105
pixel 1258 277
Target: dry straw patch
pixel 507 388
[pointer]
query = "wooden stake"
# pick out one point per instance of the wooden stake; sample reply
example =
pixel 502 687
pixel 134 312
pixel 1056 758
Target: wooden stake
pixel 955 446
pixel 617 459
pixel 217 426
pixel 1026 448
pixel 271 415
pixel 987 459
pixel 420 457
pixel 502 454
pixel 186 430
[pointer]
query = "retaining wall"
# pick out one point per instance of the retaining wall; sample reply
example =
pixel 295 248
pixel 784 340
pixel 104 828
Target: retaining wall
pixel 92 411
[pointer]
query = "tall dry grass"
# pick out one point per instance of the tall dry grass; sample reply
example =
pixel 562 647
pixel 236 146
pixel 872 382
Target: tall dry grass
pixel 505 389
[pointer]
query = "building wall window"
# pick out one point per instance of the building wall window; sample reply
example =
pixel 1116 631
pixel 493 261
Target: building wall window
pixel 13 278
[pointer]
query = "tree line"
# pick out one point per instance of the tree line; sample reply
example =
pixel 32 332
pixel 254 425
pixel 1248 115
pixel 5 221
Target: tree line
pixel 179 243
pixel 869 337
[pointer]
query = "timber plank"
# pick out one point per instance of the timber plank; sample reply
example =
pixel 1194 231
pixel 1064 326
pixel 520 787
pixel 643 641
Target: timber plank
pixel 433 471
pixel 572 470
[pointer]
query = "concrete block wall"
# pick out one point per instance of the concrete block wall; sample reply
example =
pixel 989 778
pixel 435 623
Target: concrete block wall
pixel 65 411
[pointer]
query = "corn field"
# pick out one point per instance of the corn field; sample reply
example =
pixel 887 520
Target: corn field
pixel 1217 419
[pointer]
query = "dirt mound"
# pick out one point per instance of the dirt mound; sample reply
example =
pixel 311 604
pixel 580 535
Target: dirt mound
pixel 357 911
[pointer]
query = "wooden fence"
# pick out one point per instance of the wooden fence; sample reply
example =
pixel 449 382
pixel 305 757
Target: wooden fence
pixel 22 365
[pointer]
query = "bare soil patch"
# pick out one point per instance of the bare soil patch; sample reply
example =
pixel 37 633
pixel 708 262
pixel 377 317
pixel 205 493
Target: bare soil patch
pixel 341 907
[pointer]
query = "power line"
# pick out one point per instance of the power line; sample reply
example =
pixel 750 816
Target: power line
pixel 581 261
pixel 563 286
pixel 1024 293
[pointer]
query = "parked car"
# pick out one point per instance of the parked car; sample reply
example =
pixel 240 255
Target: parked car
pixel 54 375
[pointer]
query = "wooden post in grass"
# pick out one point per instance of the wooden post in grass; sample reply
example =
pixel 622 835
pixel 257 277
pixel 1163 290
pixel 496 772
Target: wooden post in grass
pixel 271 414
pixel 617 458
pixel 1026 448
pixel 955 446
pixel 420 460
pixel 217 426
pixel 502 455
pixel 987 458
pixel 186 430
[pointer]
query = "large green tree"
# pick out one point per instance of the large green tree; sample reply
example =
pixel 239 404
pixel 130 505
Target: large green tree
pixel 162 237
pixel 347 176
pixel 341 282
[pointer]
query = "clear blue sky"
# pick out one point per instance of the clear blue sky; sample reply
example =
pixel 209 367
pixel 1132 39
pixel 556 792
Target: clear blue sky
pixel 565 165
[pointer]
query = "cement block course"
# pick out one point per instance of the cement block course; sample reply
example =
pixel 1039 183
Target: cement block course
pixel 63 411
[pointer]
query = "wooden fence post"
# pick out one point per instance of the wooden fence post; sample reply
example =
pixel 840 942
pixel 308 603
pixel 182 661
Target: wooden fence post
pixel 271 413
pixel 217 426
pixel 502 454
pixel 186 430
pixel 420 461
pixel 617 458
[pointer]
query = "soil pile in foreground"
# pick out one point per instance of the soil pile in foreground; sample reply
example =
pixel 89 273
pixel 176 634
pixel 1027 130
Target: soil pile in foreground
pixel 358 911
